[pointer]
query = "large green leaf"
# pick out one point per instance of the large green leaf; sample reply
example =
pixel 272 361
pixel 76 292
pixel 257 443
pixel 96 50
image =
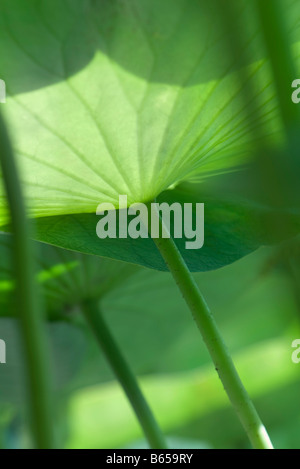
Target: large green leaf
pixel 113 97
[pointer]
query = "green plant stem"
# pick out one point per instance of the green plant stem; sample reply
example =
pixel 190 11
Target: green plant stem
pixel 276 36
pixel 124 374
pixel 213 339
pixel 31 321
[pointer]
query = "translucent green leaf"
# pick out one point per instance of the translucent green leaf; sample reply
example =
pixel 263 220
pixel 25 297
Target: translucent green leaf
pixel 111 97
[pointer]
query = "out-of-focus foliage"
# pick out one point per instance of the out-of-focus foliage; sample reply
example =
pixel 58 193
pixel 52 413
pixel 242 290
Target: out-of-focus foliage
pixel 256 310
pixel 66 278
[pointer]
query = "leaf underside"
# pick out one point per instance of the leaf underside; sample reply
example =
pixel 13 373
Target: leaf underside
pixel 109 98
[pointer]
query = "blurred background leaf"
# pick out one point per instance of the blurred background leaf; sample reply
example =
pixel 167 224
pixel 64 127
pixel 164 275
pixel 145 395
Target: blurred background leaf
pixel 257 312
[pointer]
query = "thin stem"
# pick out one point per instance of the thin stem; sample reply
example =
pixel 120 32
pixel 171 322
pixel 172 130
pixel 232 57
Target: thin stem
pixel 31 321
pixel 125 376
pixel 212 338
pixel 281 173
pixel 277 41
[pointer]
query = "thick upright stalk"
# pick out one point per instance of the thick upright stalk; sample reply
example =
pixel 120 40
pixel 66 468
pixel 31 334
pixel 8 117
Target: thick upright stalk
pixel 31 321
pixel 213 339
pixel 125 376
